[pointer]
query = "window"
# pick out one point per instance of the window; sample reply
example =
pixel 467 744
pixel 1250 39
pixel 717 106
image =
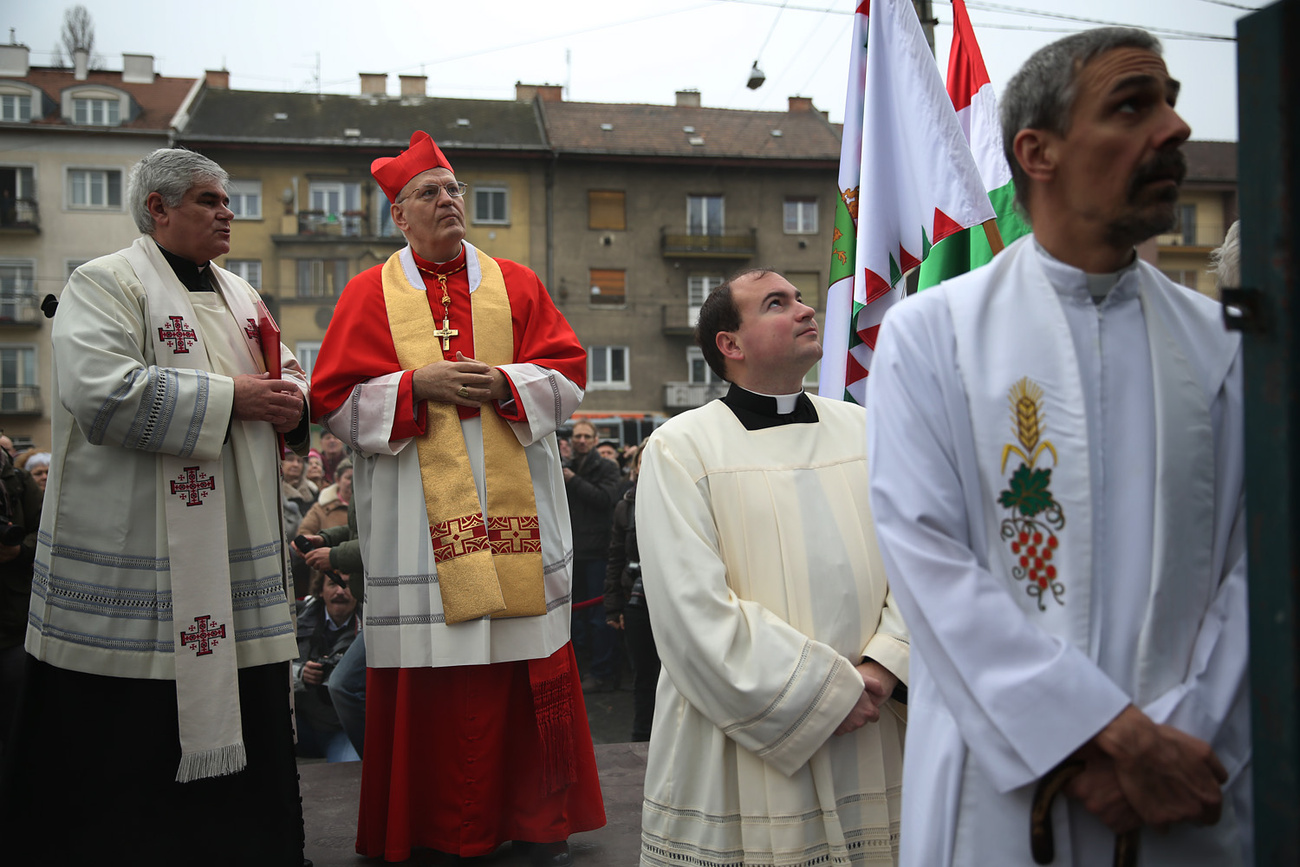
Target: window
pixel 801 216
pixel 96 112
pixel 608 286
pixel 698 371
pixel 17 196
pixel 15 107
pixel 306 352
pixel 16 287
pixel 1185 223
pixel 698 288
pixel 384 225
pixel 491 205
pixel 245 199
pixel 704 215
pixel 337 203
pixel 72 265
pixel 606 209
pixel 321 278
pixel 607 367
pixel 18 389
pixel 249 269
pixel 95 188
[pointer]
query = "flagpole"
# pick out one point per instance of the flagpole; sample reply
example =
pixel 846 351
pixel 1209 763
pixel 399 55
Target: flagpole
pixel 995 237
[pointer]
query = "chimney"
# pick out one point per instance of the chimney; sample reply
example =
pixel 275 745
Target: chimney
pixel 413 85
pixel 217 79
pixel 137 69
pixel 374 84
pixel 15 60
pixel 80 63
pixel 688 99
pixel 544 92
pixel 801 104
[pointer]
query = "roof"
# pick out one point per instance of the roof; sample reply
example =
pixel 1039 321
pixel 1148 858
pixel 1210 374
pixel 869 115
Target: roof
pixel 158 102
pixel 679 131
pixel 275 118
pixel 1211 161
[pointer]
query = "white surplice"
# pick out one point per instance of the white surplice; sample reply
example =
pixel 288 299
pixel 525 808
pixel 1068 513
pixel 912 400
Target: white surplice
pixel 1001 690
pixel 103 591
pixel 404 622
pixel 765 588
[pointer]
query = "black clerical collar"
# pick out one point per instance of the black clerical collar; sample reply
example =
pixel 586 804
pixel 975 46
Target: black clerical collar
pixel 192 277
pixel 758 411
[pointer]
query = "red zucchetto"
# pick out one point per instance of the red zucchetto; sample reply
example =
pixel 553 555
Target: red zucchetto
pixel 393 173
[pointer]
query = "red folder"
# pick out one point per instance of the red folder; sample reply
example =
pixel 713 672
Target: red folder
pixel 269 336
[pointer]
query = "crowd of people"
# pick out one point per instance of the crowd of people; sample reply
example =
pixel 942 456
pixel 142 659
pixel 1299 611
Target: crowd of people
pixel 1051 615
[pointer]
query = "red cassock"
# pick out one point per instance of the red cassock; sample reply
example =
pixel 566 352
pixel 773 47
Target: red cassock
pixel 454 755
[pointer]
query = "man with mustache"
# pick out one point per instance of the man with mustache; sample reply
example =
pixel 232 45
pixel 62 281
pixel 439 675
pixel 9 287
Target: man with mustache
pixel 778 728
pixel 447 372
pixel 1056 455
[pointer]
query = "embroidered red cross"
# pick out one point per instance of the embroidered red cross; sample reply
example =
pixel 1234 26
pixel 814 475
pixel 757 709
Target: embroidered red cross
pixel 179 332
pixel 457 537
pixel 515 535
pixel 251 330
pixel 204 635
pixel 193 486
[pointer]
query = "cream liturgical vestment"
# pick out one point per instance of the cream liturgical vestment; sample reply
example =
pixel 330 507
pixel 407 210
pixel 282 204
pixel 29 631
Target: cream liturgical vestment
pixel 1057 483
pixel 765 589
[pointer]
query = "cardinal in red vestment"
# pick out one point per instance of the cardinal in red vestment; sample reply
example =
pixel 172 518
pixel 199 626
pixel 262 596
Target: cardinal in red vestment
pixel 447 372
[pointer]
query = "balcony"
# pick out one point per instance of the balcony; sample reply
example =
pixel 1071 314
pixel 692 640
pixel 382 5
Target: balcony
pixel 728 245
pixel 345 225
pixel 679 320
pixel 20 400
pixel 689 395
pixel 20 309
pixel 20 217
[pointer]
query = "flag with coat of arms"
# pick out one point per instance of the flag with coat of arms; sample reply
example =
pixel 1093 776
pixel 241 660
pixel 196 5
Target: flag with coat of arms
pixel 977 110
pixel 907 180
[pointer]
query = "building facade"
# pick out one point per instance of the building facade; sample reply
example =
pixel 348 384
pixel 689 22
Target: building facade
pixel 68 138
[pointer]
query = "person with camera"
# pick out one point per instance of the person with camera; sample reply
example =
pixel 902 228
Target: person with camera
pixel 337 549
pixel 20 516
pixel 625 606
pixel 327 626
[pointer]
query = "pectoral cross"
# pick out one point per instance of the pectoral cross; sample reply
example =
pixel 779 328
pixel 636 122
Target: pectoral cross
pixel 446 332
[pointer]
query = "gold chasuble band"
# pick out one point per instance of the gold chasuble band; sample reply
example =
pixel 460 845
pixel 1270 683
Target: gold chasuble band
pixel 491 567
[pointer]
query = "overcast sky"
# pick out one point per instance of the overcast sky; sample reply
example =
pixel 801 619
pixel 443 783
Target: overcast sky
pixel 606 51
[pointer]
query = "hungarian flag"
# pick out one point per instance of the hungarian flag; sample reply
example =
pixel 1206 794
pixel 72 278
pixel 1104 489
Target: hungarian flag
pixel 907 181
pixel 977 109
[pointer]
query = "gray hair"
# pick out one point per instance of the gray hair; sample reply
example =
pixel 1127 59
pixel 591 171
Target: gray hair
pixel 1227 259
pixel 1042 94
pixel 169 172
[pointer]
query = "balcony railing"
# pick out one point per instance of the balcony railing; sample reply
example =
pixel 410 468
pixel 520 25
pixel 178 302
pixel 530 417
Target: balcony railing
pixel 726 245
pixel 20 400
pixel 346 225
pixel 679 320
pixel 20 215
pixel 689 395
pixel 1202 235
pixel 19 308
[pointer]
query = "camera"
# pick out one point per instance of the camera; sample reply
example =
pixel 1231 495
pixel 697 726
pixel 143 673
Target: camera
pixel 10 533
pixel 328 664
pixel 304 544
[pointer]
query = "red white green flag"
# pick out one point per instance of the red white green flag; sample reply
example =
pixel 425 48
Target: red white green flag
pixel 977 109
pixel 907 180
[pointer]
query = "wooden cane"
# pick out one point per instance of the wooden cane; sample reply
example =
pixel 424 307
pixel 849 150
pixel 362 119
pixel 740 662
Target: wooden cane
pixel 1041 842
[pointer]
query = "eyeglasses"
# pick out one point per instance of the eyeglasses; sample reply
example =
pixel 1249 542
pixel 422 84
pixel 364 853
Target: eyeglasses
pixel 429 192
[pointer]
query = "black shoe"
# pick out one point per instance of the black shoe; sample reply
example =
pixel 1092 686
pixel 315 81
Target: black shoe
pixel 547 854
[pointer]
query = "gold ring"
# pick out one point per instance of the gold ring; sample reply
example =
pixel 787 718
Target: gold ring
pixel 464 391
